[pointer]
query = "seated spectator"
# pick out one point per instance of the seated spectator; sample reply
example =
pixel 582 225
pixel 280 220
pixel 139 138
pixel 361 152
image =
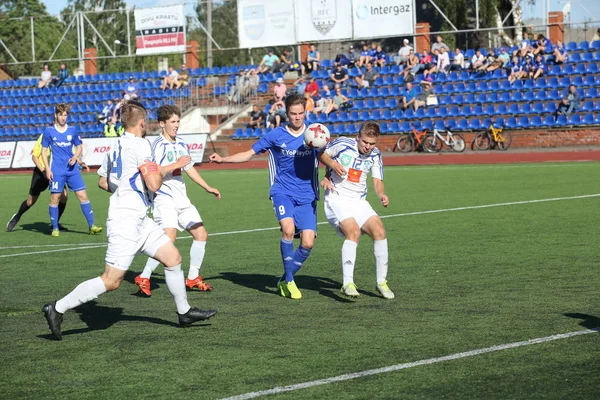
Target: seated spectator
pixel 339 76
pixel 257 118
pixel 540 67
pixel 498 61
pixel 116 114
pixel 380 58
pixel 431 67
pixel 312 88
pixel 284 63
pixel 338 101
pixel 439 45
pixel 458 63
pixel 562 108
pixel 268 62
pixel 413 61
pixel 63 74
pixel 183 78
pixel 365 56
pixel 239 90
pixel 443 60
pixel 323 104
pixel 131 90
pixel 573 98
pixel 277 114
pixel 313 59
pixel 477 61
pixel 409 96
pixel 300 86
pixel 560 52
pixel 279 90
pixel 516 70
pixel 170 79
pixel 539 46
pixel 310 104
pixel 528 67
pixel 252 80
pixel 404 52
pixel 425 62
pixel 351 58
pixel 45 77
pixel 524 47
pixel 427 96
pixel 107 111
pixel 368 78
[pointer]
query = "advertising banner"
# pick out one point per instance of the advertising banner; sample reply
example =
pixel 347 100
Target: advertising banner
pixel 7 151
pixel 160 30
pixel 196 143
pixel 380 18
pixel 95 149
pixel 22 158
pixel 318 20
pixel 263 23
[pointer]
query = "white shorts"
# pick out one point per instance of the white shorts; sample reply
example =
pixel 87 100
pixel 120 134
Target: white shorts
pixel 128 237
pixel 337 209
pixel 180 216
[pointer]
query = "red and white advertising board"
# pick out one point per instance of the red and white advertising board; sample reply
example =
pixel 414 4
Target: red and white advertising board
pixel 7 151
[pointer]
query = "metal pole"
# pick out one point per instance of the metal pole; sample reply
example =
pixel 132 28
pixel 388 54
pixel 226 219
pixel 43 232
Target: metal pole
pixel 61 39
pixel 209 56
pixel 32 41
pixel 82 27
pixel 476 14
pixel 128 34
pixel 547 19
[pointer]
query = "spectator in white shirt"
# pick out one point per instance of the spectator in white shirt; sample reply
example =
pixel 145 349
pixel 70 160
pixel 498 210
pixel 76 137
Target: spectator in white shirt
pixel 170 80
pixel 46 77
pixel 443 60
pixel 458 62
pixel 477 60
pixel 404 52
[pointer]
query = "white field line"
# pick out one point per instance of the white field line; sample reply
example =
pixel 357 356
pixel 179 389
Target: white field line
pixel 512 203
pixel 47 245
pixel 398 367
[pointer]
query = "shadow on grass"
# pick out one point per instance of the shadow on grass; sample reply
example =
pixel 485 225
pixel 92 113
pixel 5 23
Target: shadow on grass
pixel 46 228
pixel 268 284
pixel 588 321
pixel 99 318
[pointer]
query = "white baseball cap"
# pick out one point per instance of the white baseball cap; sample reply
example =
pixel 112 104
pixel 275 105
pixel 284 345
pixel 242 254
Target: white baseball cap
pixel 405 40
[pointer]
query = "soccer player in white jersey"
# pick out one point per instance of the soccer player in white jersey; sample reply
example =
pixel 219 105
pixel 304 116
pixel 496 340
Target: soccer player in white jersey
pixel 173 210
pixel 130 230
pixel 346 207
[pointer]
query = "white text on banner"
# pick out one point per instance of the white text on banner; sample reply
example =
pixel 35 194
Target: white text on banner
pixel 380 18
pixel 263 23
pixel 7 151
pixel 160 30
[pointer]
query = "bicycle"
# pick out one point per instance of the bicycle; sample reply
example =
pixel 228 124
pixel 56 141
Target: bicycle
pixel 434 142
pixel 493 137
pixel 411 141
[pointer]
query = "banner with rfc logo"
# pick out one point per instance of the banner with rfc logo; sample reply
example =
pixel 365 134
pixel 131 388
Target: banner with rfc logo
pixel 160 30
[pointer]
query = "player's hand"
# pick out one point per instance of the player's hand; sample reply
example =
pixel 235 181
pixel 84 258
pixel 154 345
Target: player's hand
pixel 214 157
pixel 72 161
pixel 49 174
pixel 214 191
pixel 84 165
pixel 326 184
pixel 384 200
pixel 338 169
pixel 183 161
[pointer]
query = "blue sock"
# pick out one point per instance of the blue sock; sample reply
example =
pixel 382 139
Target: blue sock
pixel 287 255
pixel 53 210
pixel 86 208
pixel 299 257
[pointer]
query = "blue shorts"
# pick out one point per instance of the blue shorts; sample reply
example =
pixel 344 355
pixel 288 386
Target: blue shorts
pixel 73 179
pixel 304 214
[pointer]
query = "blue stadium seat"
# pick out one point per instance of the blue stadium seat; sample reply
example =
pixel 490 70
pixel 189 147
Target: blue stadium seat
pixel 409 114
pixel 524 122
pixel 529 84
pixel 332 118
pixel 392 103
pixel 595 45
pixel 359 104
pixel 420 113
pixel 387 115
pixel 590 80
pixel 585 45
pixel 442 112
pixel 525 108
pixel 430 112
pixel 512 123
pixel 548 121
pixel 494 86
pixel 538 108
pixel 395 127
pixel 536 121
pixel 499 123
pixel 505 86
pixel 575 119
pixel 440 125
pixel 592 68
pixel 505 97
pixel 489 110
pixel 502 109
pixel 529 96
pixel 466 111
pixel 478 111
pixel 540 95
pixel 381 103
pixel 481 98
pixel 451 124
pixel 588 119
pixel 475 124
pixel 471 87
pixel 397 114
pixel 459 99
pixel 516 96
pixel 384 127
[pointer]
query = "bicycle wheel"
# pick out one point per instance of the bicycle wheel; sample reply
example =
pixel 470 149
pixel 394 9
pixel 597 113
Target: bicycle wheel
pixel 482 141
pixel 432 144
pixel 458 143
pixel 504 140
pixel 405 143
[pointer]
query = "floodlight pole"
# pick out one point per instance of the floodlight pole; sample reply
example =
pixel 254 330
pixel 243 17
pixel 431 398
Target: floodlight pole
pixel 32 41
pixel 476 14
pixel 128 34
pixel 209 56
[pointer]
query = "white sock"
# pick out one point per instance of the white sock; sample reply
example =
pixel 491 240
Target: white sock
pixel 176 285
pixel 380 249
pixel 84 292
pixel 348 260
pixel 196 257
pixel 151 265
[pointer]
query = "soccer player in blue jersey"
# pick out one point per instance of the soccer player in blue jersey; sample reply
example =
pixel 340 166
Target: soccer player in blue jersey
pixel 63 169
pixel 293 172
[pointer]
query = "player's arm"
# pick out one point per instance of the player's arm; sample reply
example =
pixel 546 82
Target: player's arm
pixel 78 150
pixel 331 163
pixel 241 157
pixel 151 174
pixel 103 183
pixel 180 163
pixel 45 160
pixel 195 176
pixel 38 163
pixel 380 190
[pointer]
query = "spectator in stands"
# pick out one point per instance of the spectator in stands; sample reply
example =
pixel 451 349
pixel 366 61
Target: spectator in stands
pixel 313 59
pixel 431 67
pixel 560 52
pixel 339 101
pixel 279 90
pixel 368 78
pixel 268 62
pixel 116 116
pixel 253 80
pixel 183 78
pixel 500 61
pixel 413 61
pixel 380 58
pixel 426 63
pixel 516 70
pixel 409 96
pixel 477 61
pixel 458 63
pixel 528 67
pixel 540 67
pixel 323 103
pixel 426 97
pixel 300 86
pixel 352 57
pixel 312 88
pixel 339 76
pixel 573 98
pixel 439 44
pixel 310 104
pixel 239 91
pixel 539 46
pixel 284 63
pixel 45 77
pixel 257 118
pixel 404 52
pixel 131 90
pixel 346 60
pixel 170 79
pixel 277 114
pixel 365 56
pixel 563 106
pixel 106 113
pixel 443 60
pixel 524 47
pixel 63 74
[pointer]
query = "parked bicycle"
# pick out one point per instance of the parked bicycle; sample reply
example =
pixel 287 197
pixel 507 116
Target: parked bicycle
pixel 411 141
pixel 492 138
pixel 434 142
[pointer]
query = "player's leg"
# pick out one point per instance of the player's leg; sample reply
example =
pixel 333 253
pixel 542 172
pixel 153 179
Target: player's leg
pixel 197 251
pixel 373 227
pixel 76 184
pixel 349 228
pixel 39 183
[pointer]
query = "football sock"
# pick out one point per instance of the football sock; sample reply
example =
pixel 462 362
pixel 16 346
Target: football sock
pixel 176 285
pixel 61 209
pixel 380 249
pixel 53 216
pixel 287 256
pixel 196 258
pixel 84 292
pixel 149 268
pixel 22 209
pixel 348 260
pixel 299 257
pixel 86 208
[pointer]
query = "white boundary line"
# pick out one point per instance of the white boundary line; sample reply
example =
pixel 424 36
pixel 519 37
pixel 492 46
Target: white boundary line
pixel 512 203
pixel 398 367
pixel 47 245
